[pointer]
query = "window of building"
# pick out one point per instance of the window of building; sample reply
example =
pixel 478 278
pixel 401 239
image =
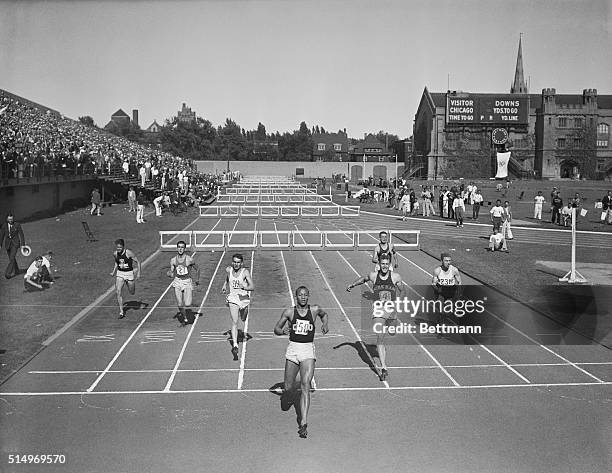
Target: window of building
pixel 601 164
pixel 337 147
pixel 321 147
pixel 578 122
pixel 562 122
pixel 381 159
pixel 577 142
pixel 603 129
pixel 602 143
pixel 561 142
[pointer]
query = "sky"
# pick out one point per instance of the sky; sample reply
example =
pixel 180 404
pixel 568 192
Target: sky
pixel 359 65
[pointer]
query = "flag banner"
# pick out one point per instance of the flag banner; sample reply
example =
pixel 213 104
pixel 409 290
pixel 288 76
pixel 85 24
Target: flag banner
pixel 583 212
pixel 502 165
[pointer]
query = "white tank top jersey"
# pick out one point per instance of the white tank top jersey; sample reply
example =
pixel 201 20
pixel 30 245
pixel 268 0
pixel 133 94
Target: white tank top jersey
pixel 447 278
pixel 235 283
pixel 181 266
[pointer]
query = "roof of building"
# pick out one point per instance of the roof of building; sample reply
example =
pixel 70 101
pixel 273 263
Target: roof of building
pixel 370 142
pixel 331 138
pixel 120 113
pixel 152 125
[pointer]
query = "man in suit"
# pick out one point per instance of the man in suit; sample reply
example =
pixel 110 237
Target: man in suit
pixel 11 237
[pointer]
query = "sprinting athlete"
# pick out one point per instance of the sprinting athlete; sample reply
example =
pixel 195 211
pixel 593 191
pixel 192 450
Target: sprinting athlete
pixel 183 283
pixel 446 281
pixel 299 323
pixel 126 272
pixel 386 286
pixel 239 281
pixel 384 248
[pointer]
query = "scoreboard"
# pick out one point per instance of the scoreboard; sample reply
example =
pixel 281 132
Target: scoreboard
pixel 495 109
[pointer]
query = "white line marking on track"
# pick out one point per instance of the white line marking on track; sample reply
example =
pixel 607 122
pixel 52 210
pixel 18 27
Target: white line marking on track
pixel 195 322
pixel 99 378
pixel 97 338
pixel 106 294
pixel 314 382
pixel 330 368
pixel 267 390
pixel 473 338
pixel 524 334
pixel 365 348
pixel 180 357
pixel 427 352
pixel 246 328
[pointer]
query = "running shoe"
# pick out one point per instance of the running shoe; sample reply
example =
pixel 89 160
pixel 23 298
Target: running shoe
pixel 383 375
pixel 121 315
pixel 235 353
pixel 302 431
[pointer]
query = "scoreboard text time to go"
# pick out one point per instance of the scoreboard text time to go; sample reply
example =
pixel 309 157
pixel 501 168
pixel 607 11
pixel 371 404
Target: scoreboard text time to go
pixel 502 109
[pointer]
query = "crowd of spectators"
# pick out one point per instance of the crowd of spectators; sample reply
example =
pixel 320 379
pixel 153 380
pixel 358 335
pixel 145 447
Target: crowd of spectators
pixel 36 142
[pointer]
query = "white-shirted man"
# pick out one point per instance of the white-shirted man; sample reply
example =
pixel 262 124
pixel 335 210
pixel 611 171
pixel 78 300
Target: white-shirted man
pixel 537 209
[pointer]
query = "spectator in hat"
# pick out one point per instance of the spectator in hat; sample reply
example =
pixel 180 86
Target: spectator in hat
pixel 11 237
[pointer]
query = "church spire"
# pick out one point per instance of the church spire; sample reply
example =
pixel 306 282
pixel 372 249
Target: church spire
pixel 519 86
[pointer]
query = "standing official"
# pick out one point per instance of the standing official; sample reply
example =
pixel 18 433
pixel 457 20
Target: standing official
pixel 11 237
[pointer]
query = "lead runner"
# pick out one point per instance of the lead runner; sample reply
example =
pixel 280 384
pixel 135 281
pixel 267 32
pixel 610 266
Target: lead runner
pixel 299 323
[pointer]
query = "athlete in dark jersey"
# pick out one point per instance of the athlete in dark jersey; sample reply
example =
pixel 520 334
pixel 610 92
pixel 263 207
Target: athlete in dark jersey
pixel 299 323
pixel 386 287
pixel 384 247
pixel 125 271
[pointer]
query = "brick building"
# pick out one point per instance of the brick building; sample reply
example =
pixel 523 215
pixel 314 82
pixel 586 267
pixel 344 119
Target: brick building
pixel 550 135
pixel 330 147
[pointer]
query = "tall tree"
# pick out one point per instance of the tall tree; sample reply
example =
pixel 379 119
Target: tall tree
pixel 88 121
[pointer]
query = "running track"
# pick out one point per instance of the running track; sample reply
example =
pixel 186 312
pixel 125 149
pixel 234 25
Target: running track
pixel 145 394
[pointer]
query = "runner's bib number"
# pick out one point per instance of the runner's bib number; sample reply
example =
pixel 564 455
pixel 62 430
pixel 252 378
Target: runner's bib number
pixel 181 270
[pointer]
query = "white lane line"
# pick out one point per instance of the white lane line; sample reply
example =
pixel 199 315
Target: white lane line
pixel 473 338
pixel 331 368
pixel 105 371
pixel 525 335
pixel 246 331
pixel 106 294
pixel 546 348
pixel 180 357
pixel 313 383
pixel 193 326
pixel 427 352
pixel 359 339
pixel 267 390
